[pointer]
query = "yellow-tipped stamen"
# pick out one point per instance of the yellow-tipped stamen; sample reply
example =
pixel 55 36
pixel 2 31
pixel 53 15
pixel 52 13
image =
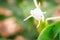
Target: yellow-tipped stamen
pixel 38 24
pixel 39 5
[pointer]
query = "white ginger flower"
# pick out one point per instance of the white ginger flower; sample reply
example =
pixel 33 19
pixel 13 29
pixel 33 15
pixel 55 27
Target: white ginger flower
pixel 38 14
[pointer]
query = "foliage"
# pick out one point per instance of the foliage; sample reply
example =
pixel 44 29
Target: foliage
pixel 51 32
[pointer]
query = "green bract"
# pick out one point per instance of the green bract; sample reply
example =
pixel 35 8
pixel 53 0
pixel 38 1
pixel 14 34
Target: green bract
pixel 51 32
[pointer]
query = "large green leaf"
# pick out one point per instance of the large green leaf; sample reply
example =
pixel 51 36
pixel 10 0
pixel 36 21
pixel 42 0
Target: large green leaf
pixel 51 32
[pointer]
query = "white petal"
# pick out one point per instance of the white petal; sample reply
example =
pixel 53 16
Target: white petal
pixel 35 2
pixel 52 18
pixel 27 18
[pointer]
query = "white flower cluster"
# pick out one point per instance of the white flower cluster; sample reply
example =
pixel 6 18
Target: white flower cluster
pixel 38 14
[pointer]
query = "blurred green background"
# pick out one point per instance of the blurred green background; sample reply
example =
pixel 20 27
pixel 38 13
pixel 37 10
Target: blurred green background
pixel 21 10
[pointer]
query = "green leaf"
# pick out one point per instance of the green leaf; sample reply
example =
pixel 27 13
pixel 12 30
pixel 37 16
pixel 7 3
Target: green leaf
pixel 51 32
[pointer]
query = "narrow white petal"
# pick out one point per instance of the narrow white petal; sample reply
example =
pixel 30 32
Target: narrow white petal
pixel 52 18
pixel 27 18
pixel 35 2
